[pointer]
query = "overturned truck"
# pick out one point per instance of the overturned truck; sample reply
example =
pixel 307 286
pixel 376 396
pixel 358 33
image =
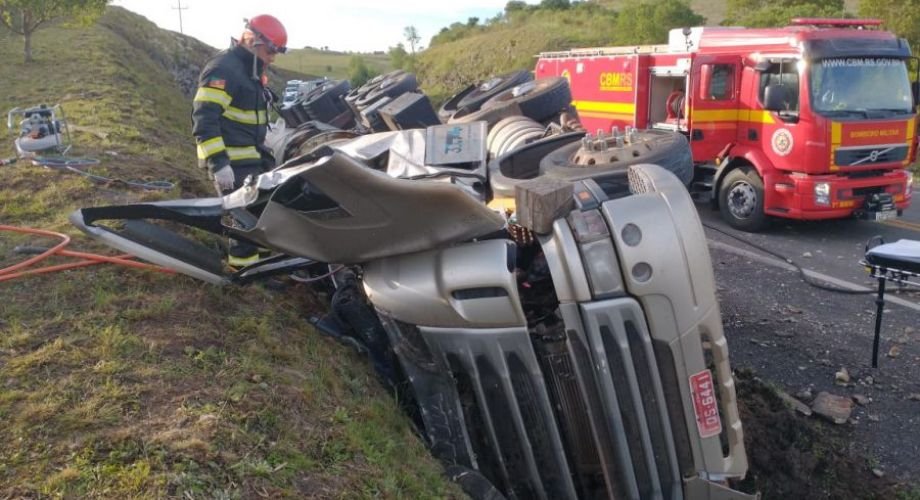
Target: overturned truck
pixel 566 343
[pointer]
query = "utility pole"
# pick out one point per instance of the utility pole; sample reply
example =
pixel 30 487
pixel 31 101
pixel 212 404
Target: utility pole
pixel 180 8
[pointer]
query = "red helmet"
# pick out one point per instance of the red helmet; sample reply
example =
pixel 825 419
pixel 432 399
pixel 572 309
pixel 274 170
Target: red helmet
pixel 270 30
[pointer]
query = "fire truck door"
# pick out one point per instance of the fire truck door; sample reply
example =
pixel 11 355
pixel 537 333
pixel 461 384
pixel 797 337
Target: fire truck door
pixel 714 104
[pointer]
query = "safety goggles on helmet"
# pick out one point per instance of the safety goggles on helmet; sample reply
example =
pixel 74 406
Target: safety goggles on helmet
pixel 264 40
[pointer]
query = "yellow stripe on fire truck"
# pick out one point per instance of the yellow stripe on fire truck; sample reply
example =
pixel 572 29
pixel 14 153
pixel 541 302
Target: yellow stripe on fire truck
pixel 731 115
pixel 620 108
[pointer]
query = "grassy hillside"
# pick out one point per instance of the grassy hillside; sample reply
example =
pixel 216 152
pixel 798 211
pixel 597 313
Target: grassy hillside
pixel 118 383
pixel 714 10
pixel 329 63
pixel 445 68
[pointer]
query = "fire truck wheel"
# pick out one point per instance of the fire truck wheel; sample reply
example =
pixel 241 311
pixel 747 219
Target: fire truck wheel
pixel 538 100
pixel 581 160
pixel 741 200
pixel 485 90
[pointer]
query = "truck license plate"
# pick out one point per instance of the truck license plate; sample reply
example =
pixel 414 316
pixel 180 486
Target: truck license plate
pixel 705 404
pixel 886 214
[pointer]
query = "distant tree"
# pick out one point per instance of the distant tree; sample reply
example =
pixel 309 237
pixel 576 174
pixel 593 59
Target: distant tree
pixel 328 68
pixel 398 56
pixel 25 17
pixel 515 6
pixel 768 13
pixel 472 22
pixel 555 4
pixel 648 21
pixel 900 16
pixel 412 36
pixel 358 71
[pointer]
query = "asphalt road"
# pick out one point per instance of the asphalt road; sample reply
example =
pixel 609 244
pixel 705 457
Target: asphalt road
pixel 798 337
pixel 831 247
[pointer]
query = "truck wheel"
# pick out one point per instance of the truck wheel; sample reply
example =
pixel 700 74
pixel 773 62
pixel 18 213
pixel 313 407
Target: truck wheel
pixel 741 200
pixel 490 88
pixel 592 157
pixel 393 85
pixel 450 105
pixel 539 100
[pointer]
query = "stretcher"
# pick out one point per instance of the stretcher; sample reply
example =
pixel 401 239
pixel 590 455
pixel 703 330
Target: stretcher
pixel 898 262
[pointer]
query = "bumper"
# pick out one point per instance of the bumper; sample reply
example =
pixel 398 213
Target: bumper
pixel 792 196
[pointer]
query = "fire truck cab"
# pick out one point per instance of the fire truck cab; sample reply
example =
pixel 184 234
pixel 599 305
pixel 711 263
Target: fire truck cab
pixel 812 121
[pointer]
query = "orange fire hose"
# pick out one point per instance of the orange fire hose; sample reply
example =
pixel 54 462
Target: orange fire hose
pixel 89 259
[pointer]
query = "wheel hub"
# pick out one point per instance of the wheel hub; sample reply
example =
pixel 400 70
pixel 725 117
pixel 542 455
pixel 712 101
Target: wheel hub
pixel 742 199
pixel 603 149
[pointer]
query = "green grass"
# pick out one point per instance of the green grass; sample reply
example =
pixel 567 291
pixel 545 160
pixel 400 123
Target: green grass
pixel 714 10
pixel 118 383
pixel 329 63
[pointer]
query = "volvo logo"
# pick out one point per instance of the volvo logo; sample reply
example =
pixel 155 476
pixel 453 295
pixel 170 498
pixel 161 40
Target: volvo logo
pixel 872 156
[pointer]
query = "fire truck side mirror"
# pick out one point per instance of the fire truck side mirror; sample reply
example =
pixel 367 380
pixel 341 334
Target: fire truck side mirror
pixel 915 91
pixel 775 98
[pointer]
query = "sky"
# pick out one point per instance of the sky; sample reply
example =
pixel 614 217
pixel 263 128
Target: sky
pixel 343 25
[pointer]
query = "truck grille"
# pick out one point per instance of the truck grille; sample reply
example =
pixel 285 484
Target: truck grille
pixel 578 415
pixel 870 156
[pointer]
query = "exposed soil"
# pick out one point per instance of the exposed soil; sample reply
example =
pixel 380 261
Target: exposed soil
pixel 785 335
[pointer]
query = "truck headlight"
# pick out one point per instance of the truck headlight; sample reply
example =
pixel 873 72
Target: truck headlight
pixel 597 252
pixel 822 193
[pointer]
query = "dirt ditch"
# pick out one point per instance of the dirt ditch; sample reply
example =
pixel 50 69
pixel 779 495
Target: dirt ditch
pixel 788 338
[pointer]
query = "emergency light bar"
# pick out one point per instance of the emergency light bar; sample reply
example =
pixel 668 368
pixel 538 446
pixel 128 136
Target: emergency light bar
pixel 835 22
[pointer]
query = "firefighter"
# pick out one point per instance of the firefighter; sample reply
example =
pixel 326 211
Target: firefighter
pixel 230 114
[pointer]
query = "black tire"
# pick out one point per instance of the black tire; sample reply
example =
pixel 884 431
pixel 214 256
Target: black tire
pixel 522 164
pixel 741 200
pixel 669 150
pixel 538 100
pixel 392 86
pixel 487 89
pixel 449 107
pixel 491 116
pixel 293 144
pixel 359 93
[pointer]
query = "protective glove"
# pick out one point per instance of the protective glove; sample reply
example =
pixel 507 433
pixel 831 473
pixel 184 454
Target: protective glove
pixel 224 179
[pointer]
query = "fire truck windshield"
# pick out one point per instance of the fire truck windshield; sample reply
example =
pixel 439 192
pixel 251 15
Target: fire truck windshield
pixel 866 87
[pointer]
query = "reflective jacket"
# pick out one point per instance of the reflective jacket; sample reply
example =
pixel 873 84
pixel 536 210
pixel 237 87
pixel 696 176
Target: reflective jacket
pixel 229 111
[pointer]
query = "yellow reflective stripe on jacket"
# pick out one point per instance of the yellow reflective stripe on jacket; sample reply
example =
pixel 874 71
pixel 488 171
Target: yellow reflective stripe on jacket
pixel 210 148
pixel 243 116
pixel 210 94
pixel 243 153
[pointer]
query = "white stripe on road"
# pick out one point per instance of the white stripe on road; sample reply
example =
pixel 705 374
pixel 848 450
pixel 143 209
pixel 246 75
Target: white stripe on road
pixel 770 261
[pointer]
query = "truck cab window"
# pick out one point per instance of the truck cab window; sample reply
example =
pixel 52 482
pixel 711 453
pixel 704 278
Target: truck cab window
pixel 860 87
pixel 785 73
pixel 721 83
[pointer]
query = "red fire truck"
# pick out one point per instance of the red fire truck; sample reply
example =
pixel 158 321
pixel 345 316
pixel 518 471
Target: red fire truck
pixel 812 121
